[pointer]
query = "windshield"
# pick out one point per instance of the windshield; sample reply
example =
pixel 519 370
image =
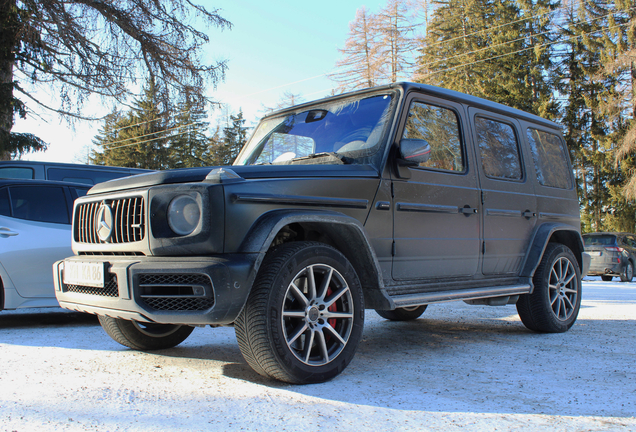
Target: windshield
pixel 344 131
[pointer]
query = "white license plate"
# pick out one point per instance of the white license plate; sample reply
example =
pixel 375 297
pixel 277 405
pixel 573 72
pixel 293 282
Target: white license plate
pixel 84 273
pixel 595 253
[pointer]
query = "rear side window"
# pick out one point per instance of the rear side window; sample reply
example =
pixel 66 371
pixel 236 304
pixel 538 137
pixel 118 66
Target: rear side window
pixel 439 127
pixel 16 173
pixel 5 206
pixel 40 204
pixel 550 159
pixel 499 149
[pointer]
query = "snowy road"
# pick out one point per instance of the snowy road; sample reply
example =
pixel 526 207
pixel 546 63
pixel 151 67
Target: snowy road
pixel 457 367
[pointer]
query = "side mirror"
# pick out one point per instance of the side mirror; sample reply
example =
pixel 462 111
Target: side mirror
pixel 414 152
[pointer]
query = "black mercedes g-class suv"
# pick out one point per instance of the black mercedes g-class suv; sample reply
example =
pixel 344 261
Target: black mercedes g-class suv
pixel 389 198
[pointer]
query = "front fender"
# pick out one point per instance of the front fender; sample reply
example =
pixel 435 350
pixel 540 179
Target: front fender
pixel 346 233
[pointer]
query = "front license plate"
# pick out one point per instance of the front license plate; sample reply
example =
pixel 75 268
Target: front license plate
pixel 84 273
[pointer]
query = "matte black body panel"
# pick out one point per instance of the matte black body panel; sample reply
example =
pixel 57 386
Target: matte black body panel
pixel 415 235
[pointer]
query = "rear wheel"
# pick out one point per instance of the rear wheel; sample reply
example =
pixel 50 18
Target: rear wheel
pixel 607 278
pixel 402 314
pixel 145 336
pixel 304 317
pixel 554 304
pixel 628 272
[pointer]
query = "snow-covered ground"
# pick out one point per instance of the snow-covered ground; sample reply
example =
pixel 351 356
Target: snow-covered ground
pixel 457 367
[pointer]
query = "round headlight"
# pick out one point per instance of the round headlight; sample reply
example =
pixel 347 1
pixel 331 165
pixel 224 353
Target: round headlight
pixel 183 214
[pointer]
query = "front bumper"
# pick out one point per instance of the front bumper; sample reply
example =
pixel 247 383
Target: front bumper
pixel 186 290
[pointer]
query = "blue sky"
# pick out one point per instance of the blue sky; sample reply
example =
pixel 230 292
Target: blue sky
pixel 273 47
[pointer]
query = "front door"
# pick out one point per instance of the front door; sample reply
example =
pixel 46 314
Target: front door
pixel 437 210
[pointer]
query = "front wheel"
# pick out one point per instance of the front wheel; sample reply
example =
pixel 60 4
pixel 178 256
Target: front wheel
pixel 554 304
pixel 402 314
pixel 304 317
pixel 628 272
pixel 145 336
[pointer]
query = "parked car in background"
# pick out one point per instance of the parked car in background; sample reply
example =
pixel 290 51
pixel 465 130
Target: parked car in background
pixel 35 231
pixel 76 173
pixel 613 254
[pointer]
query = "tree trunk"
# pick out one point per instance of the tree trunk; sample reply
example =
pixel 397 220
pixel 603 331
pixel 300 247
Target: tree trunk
pixel 9 26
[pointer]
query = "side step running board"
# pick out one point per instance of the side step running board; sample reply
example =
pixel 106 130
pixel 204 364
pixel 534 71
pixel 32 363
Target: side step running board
pixel 468 294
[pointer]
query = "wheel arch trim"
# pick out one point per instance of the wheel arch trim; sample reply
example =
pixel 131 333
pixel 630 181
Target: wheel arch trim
pixel 348 235
pixel 554 232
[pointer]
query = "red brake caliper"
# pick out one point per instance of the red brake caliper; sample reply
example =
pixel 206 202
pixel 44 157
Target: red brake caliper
pixel 332 308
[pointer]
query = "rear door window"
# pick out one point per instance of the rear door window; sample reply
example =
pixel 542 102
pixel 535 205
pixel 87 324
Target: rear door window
pixel 498 149
pixel 40 204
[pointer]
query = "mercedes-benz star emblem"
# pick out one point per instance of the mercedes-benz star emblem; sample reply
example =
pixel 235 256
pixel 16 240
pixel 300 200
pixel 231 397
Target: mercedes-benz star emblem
pixel 104 222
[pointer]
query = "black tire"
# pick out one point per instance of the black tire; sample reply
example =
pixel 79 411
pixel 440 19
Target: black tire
pixel 145 336
pixel 402 314
pixel 554 304
pixel 607 278
pixel 293 332
pixel 628 272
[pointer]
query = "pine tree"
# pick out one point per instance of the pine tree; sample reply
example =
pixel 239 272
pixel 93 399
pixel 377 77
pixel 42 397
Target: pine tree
pixel 139 138
pixel 189 147
pixel 78 49
pixel 233 140
pixel 488 49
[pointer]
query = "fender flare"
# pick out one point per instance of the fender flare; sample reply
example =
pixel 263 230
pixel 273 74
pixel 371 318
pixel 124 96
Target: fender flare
pixel 347 234
pixel 563 233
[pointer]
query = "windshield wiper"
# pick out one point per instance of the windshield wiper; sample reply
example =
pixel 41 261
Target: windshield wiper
pixel 311 159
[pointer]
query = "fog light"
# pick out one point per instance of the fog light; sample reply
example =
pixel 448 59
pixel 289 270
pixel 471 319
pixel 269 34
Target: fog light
pixel 183 214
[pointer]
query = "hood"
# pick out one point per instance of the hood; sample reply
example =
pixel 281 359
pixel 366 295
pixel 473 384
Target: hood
pixel 197 175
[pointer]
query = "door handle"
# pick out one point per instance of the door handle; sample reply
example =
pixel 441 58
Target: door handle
pixel 6 232
pixel 528 214
pixel 467 210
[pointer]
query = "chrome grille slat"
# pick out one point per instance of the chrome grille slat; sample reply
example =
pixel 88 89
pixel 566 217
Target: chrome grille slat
pixel 128 221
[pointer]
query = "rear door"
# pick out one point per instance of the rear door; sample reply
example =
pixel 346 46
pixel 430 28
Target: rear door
pixel 436 210
pixel 509 202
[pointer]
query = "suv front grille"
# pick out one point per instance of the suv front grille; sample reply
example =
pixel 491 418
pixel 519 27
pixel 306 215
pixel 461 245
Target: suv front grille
pixel 111 289
pixel 129 219
pixel 176 291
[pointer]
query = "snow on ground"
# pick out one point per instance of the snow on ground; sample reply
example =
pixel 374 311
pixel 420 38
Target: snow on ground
pixel 474 368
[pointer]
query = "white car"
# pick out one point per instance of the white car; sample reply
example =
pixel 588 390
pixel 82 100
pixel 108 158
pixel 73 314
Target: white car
pixel 35 231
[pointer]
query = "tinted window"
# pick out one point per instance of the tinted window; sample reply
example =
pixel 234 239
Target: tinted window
pixel 605 240
pixel 5 206
pixel 16 173
pixel 439 127
pixel 89 177
pixel 80 192
pixel 498 148
pixel 39 203
pixel 550 159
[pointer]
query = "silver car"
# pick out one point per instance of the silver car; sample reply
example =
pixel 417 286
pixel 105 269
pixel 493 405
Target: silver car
pixel 35 231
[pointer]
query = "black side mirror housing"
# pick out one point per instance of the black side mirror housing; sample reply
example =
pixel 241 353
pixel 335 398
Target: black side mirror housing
pixel 414 152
